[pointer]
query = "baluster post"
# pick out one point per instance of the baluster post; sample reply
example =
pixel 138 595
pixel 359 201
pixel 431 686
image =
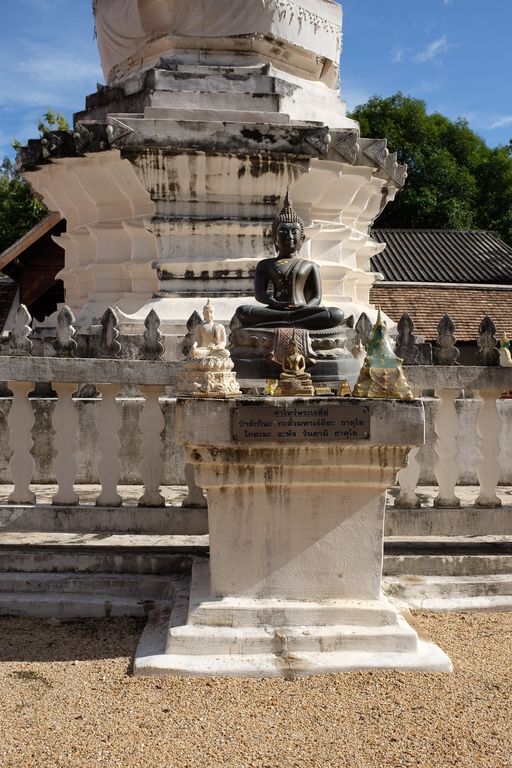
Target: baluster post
pixel 21 415
pixel 109 423
pixel 65 424
pixel 195 496
pixel 152 425
pixel 109 420
pixel 488 427
pixel 20 422
pixel 408 479
pixel 65 419
pixel 446 427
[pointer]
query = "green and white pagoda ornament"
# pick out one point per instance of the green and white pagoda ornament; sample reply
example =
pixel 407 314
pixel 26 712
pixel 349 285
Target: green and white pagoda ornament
pixel 382 374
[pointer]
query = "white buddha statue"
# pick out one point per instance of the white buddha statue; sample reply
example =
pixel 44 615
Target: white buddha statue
pixel 210 338
pixel 208 370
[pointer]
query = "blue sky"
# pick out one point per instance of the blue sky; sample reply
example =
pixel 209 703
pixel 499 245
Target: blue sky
pixel 454 54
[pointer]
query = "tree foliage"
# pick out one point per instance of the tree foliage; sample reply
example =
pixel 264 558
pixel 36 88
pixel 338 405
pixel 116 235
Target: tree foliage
pixel 52 121
pixel 19 209
pixel 455 180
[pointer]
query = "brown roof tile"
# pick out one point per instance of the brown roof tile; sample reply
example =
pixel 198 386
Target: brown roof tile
pixel 427 304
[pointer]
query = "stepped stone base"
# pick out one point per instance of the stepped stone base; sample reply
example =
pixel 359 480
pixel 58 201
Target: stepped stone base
pixel 240 637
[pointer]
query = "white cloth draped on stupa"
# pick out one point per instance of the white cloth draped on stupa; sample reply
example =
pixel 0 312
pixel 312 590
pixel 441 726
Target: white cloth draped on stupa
pixel 124 26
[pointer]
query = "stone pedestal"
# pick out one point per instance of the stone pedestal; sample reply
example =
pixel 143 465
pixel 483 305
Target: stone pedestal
pixel 293 585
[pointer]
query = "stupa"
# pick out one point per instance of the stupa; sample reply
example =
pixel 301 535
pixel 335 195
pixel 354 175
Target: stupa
pixel 176 168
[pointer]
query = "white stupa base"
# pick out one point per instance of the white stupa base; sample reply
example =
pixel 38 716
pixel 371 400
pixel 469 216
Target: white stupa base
pixel 251 637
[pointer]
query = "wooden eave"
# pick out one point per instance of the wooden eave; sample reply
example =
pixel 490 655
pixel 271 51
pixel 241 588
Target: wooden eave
pixel 31 237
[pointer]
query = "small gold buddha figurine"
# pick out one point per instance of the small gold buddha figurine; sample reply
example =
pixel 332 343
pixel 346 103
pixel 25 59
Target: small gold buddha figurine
pixel 294 379
pixel 344 389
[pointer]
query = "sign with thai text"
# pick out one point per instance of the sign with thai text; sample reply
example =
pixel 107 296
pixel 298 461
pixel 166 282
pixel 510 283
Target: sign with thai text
pixel 301 422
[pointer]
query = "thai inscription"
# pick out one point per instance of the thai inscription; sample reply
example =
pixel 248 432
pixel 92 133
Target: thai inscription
pixel 301 422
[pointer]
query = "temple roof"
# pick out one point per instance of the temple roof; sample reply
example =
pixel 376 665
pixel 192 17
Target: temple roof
pixel 443 256
pixel 426 305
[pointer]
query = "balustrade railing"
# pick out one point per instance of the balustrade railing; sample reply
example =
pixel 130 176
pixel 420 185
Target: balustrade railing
pixel 447 434
pixel 20 369
pixel 450 381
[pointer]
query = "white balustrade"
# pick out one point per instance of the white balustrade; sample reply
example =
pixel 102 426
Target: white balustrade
pixel 153 375
pixel 152 425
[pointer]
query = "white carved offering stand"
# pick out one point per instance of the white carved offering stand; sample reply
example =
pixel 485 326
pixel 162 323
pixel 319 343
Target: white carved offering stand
pixel 293 584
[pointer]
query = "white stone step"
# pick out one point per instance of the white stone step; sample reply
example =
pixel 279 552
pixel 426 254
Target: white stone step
pixel 68 595
pixel 211 69
pixel 237 612
pixel 205 115
pixel 194 639
pixel 71 606
pixel 216 100
pixel 451 593
pixel 214 81
pixel 463 521
pixel 151 658
pixel 98 553
pixel 147 587
pixel 447 555
pixel 87 518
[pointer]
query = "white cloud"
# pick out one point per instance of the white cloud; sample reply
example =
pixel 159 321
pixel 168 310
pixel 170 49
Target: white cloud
pixel 397 54
pixel 47 66
pixel 433 49
pixel 426 86
pixel 502 122
pixel 42 76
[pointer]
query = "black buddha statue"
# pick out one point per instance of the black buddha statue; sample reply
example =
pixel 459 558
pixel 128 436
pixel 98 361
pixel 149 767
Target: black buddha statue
pixel 288 289
pixel 288 285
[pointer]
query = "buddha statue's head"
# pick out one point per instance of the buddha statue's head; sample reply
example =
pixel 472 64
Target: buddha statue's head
pixel 208 312
pixel 288 230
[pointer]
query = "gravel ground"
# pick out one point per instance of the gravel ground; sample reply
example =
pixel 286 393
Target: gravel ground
pixel 67 699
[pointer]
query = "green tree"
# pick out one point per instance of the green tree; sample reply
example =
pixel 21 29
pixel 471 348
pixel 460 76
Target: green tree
pixel 455 180
pixel 19 209
pixel 52 121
